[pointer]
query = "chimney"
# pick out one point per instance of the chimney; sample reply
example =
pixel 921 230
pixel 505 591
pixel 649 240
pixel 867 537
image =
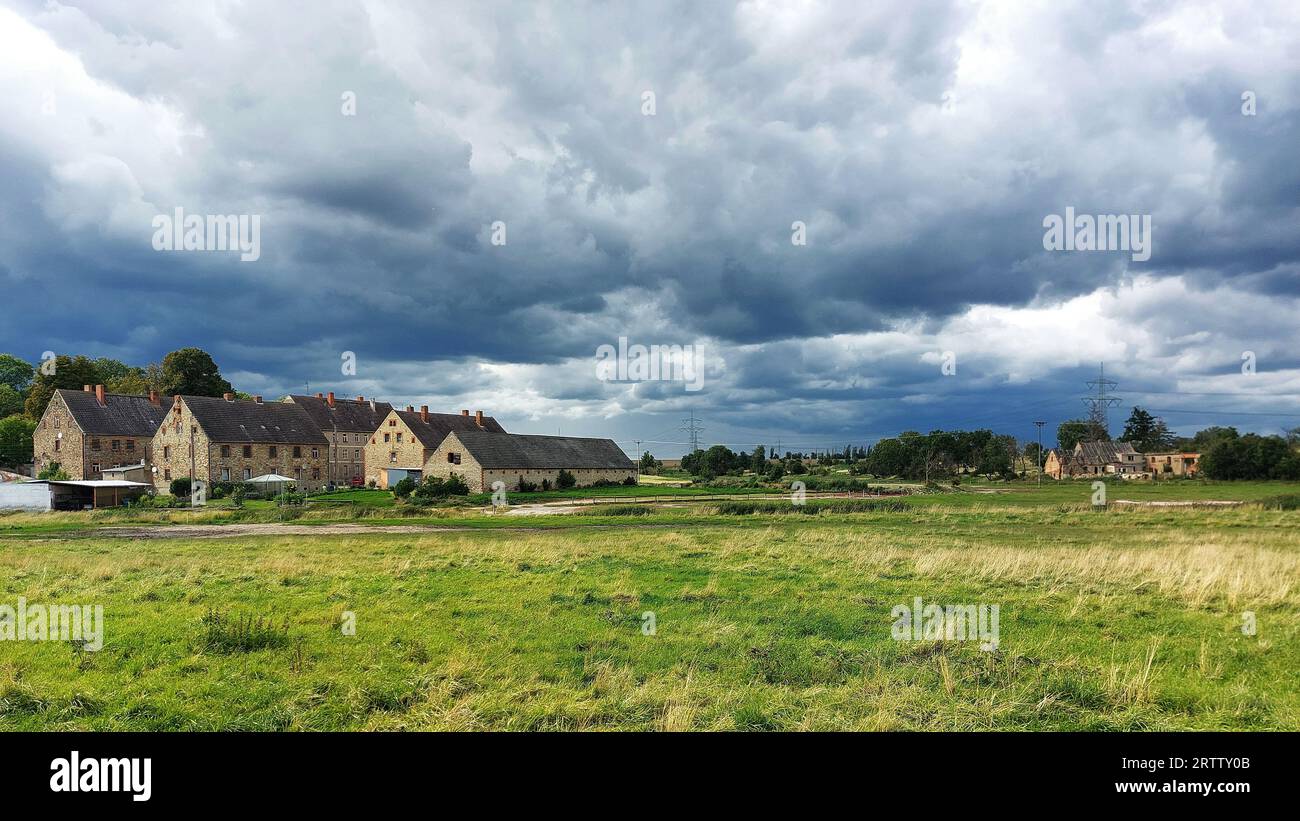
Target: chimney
pixel 361 399
pixel 229 397
pixel 320 395
pixel 478 418
pixel 257 399
pixel 153 398
pixel 424 414
pixel 464 412
pixel 330 400
pixel 410 409
pixel 372 405
pixel 86 388
pixel 99 396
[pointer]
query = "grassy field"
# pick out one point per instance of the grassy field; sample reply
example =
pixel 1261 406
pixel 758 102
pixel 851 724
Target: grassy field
pixel 1127 619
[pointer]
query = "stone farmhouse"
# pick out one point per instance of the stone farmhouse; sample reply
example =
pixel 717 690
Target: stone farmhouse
pixel 483 457
pixel 404 440
pixel 348 424
pixel 1116 459
pixel 90 430
pixel 1173 464
pixel 230 440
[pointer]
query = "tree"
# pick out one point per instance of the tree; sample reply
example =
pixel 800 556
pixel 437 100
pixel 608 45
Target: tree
pixel 1250 457
pixel 404 487
pixel 649 464
pixel 995 460
pixel 15 373
pixel 565 480
pixel 1146 433
pixel 192 372
pixel 71 372
pixel 1071 433
pixel 758 462
pixel 15 440
pixel 11 401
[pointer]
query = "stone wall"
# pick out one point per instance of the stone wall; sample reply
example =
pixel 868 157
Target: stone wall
pixel 385 451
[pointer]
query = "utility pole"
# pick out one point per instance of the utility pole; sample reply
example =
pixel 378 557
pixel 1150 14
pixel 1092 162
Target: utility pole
pixel 692 429
pixel 1040 451
pixel 1098 404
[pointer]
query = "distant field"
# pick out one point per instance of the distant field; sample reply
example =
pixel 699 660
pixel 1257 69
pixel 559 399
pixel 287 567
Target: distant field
pixel 1115 620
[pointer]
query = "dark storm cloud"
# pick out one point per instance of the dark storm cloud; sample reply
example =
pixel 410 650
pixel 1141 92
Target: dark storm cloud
pixel 922 149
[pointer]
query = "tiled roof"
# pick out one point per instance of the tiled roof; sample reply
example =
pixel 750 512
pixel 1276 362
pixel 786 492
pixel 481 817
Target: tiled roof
pixel 347 415
pixel 495 451
pixel 432 433
pixel 1102 453
pixel 243 420
pixel 123 414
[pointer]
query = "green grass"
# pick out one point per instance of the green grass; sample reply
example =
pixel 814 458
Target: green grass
pixel 1114 620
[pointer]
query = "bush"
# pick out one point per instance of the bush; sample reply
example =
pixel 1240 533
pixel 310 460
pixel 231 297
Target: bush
pixel 53 471
pixel 237 495
pixel 180 487
pixel 565 480
pixel 404 488
pixel 290 498
pixel 546 484
pixel 526 486
pixel 629 481
pixel 435 487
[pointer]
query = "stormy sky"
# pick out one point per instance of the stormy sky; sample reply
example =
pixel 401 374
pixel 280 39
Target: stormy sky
pixel 647 164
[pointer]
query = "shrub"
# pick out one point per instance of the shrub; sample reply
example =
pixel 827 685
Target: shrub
pixel 290 498
pixel 180 486
pixel 526 486
pixel 404 488
pixel 237 495
pixel 53 471
pixel 435 487
pixel 629 481
pixel 565 480
pixel 546 484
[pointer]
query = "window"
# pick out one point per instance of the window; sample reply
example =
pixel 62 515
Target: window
pixel 248 474
pixel 315 473
pixel 59 422
pixel 130 445
pixel 167 474
pixel 94 444
pixel 167 451
pixel 57 444
pixel 225 474
pixel 225 451
pixel 315 453
pixel 356 454
pixel 272 452
pixel 117 445
pixel 297 452
pixel 386 435
pixel 297 473
pixel 399 436
pixel 392 423
pixel 392 457
pixel 94 468
pixel 248 451
pixel 453 458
